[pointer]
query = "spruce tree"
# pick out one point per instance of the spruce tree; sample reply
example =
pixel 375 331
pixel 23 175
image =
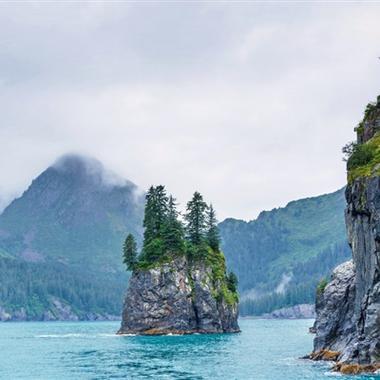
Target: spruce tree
pixel 212 233
pixel 155 212
pixel 172 232
pixel 196 219
pixel 130 252
pixel 156 208
pixel 232 282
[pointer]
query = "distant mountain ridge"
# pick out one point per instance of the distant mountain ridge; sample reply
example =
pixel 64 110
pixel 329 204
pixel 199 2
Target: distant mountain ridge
pixel 60 246
pixel 282 255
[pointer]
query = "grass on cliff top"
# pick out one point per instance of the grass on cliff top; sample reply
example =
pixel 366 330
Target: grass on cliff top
pixel 365 160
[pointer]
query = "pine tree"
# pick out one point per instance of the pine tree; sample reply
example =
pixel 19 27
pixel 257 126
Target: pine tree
pixel 172 232
pixel 155 212
pixel 156 209
pixel 212 235
pixel 196 219
pixel 130 252
pixel 232 282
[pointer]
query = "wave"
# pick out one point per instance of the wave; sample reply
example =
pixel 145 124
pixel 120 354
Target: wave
pixel 70 335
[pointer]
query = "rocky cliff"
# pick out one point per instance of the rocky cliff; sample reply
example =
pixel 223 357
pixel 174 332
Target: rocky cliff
pixel 180 297
pixel 348 308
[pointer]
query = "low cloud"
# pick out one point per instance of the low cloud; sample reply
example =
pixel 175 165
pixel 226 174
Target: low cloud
pixel 248 104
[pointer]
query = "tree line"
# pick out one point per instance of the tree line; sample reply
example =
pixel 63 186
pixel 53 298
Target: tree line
pixel 165 233
pixel 33 287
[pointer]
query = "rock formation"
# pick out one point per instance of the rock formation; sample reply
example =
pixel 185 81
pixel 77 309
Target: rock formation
pixel 348 308
pixel 302 311
pixel 178 297
pixel 179 282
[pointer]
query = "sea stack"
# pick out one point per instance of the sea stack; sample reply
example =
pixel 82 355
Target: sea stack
pixel 348 307
pixel 179 283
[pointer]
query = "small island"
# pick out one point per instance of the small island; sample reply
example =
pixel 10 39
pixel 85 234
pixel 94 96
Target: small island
pixel 179 282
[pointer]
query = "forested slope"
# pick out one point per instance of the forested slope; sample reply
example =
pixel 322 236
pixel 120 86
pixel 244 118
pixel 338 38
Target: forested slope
pixel 282 255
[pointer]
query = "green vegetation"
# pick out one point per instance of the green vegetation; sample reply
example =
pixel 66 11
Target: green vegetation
pixel 34 287
pixel 130 252
pixel 196 220
pixel 156 208
pixel 296 246
pixel 165 236
pixel 363 157
pixel 75 227
pixel 322 285
pixel 212 236
pixel 64 236
pixel 173 231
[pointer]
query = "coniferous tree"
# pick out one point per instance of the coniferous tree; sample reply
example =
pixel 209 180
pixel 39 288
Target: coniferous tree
pixel 156 208
pixel 212 235
pixel 130 252
pixel 172 232
pixel 196 219
pixel 155 212
pixel 232 282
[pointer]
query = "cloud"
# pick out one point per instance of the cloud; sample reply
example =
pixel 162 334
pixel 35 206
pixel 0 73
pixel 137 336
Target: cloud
pixel 91 168
pixel 248 104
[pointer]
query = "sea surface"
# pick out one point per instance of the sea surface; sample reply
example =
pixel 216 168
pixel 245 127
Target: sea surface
pixel 264 350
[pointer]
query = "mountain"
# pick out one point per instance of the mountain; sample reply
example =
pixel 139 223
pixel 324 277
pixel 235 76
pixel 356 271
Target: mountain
pixel 281 256
pixel 64 235
pixel 4 201
pixel 60 246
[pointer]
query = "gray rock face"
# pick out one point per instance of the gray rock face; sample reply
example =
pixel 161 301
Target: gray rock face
pixel 348 311
pixel 303 311
pixel 177 297
pixel 334 324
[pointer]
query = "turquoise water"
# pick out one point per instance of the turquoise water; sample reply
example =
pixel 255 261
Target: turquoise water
pixel 265 350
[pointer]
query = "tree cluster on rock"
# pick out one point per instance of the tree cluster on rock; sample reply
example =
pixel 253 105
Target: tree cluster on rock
pixel 167 233
pixel 179 282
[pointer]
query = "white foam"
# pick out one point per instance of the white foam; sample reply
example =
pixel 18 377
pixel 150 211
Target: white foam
pixel 71 335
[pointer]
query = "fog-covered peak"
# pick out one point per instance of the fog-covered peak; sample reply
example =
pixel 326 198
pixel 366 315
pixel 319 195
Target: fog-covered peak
pixel 84 166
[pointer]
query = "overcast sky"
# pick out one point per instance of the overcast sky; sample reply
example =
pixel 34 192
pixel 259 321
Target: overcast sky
pixel 249 103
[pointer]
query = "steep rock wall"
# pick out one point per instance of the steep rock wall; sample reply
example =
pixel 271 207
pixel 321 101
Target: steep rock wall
pixel 177 297
pixel 348 310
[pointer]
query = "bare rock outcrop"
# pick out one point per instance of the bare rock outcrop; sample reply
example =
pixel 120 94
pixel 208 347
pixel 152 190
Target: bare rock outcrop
pixel 179 297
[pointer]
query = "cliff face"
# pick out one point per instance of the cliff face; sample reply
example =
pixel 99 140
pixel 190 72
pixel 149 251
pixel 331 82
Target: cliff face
pixel 363 228
pixel 335 325
pixel 177 297
pixel 348 309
